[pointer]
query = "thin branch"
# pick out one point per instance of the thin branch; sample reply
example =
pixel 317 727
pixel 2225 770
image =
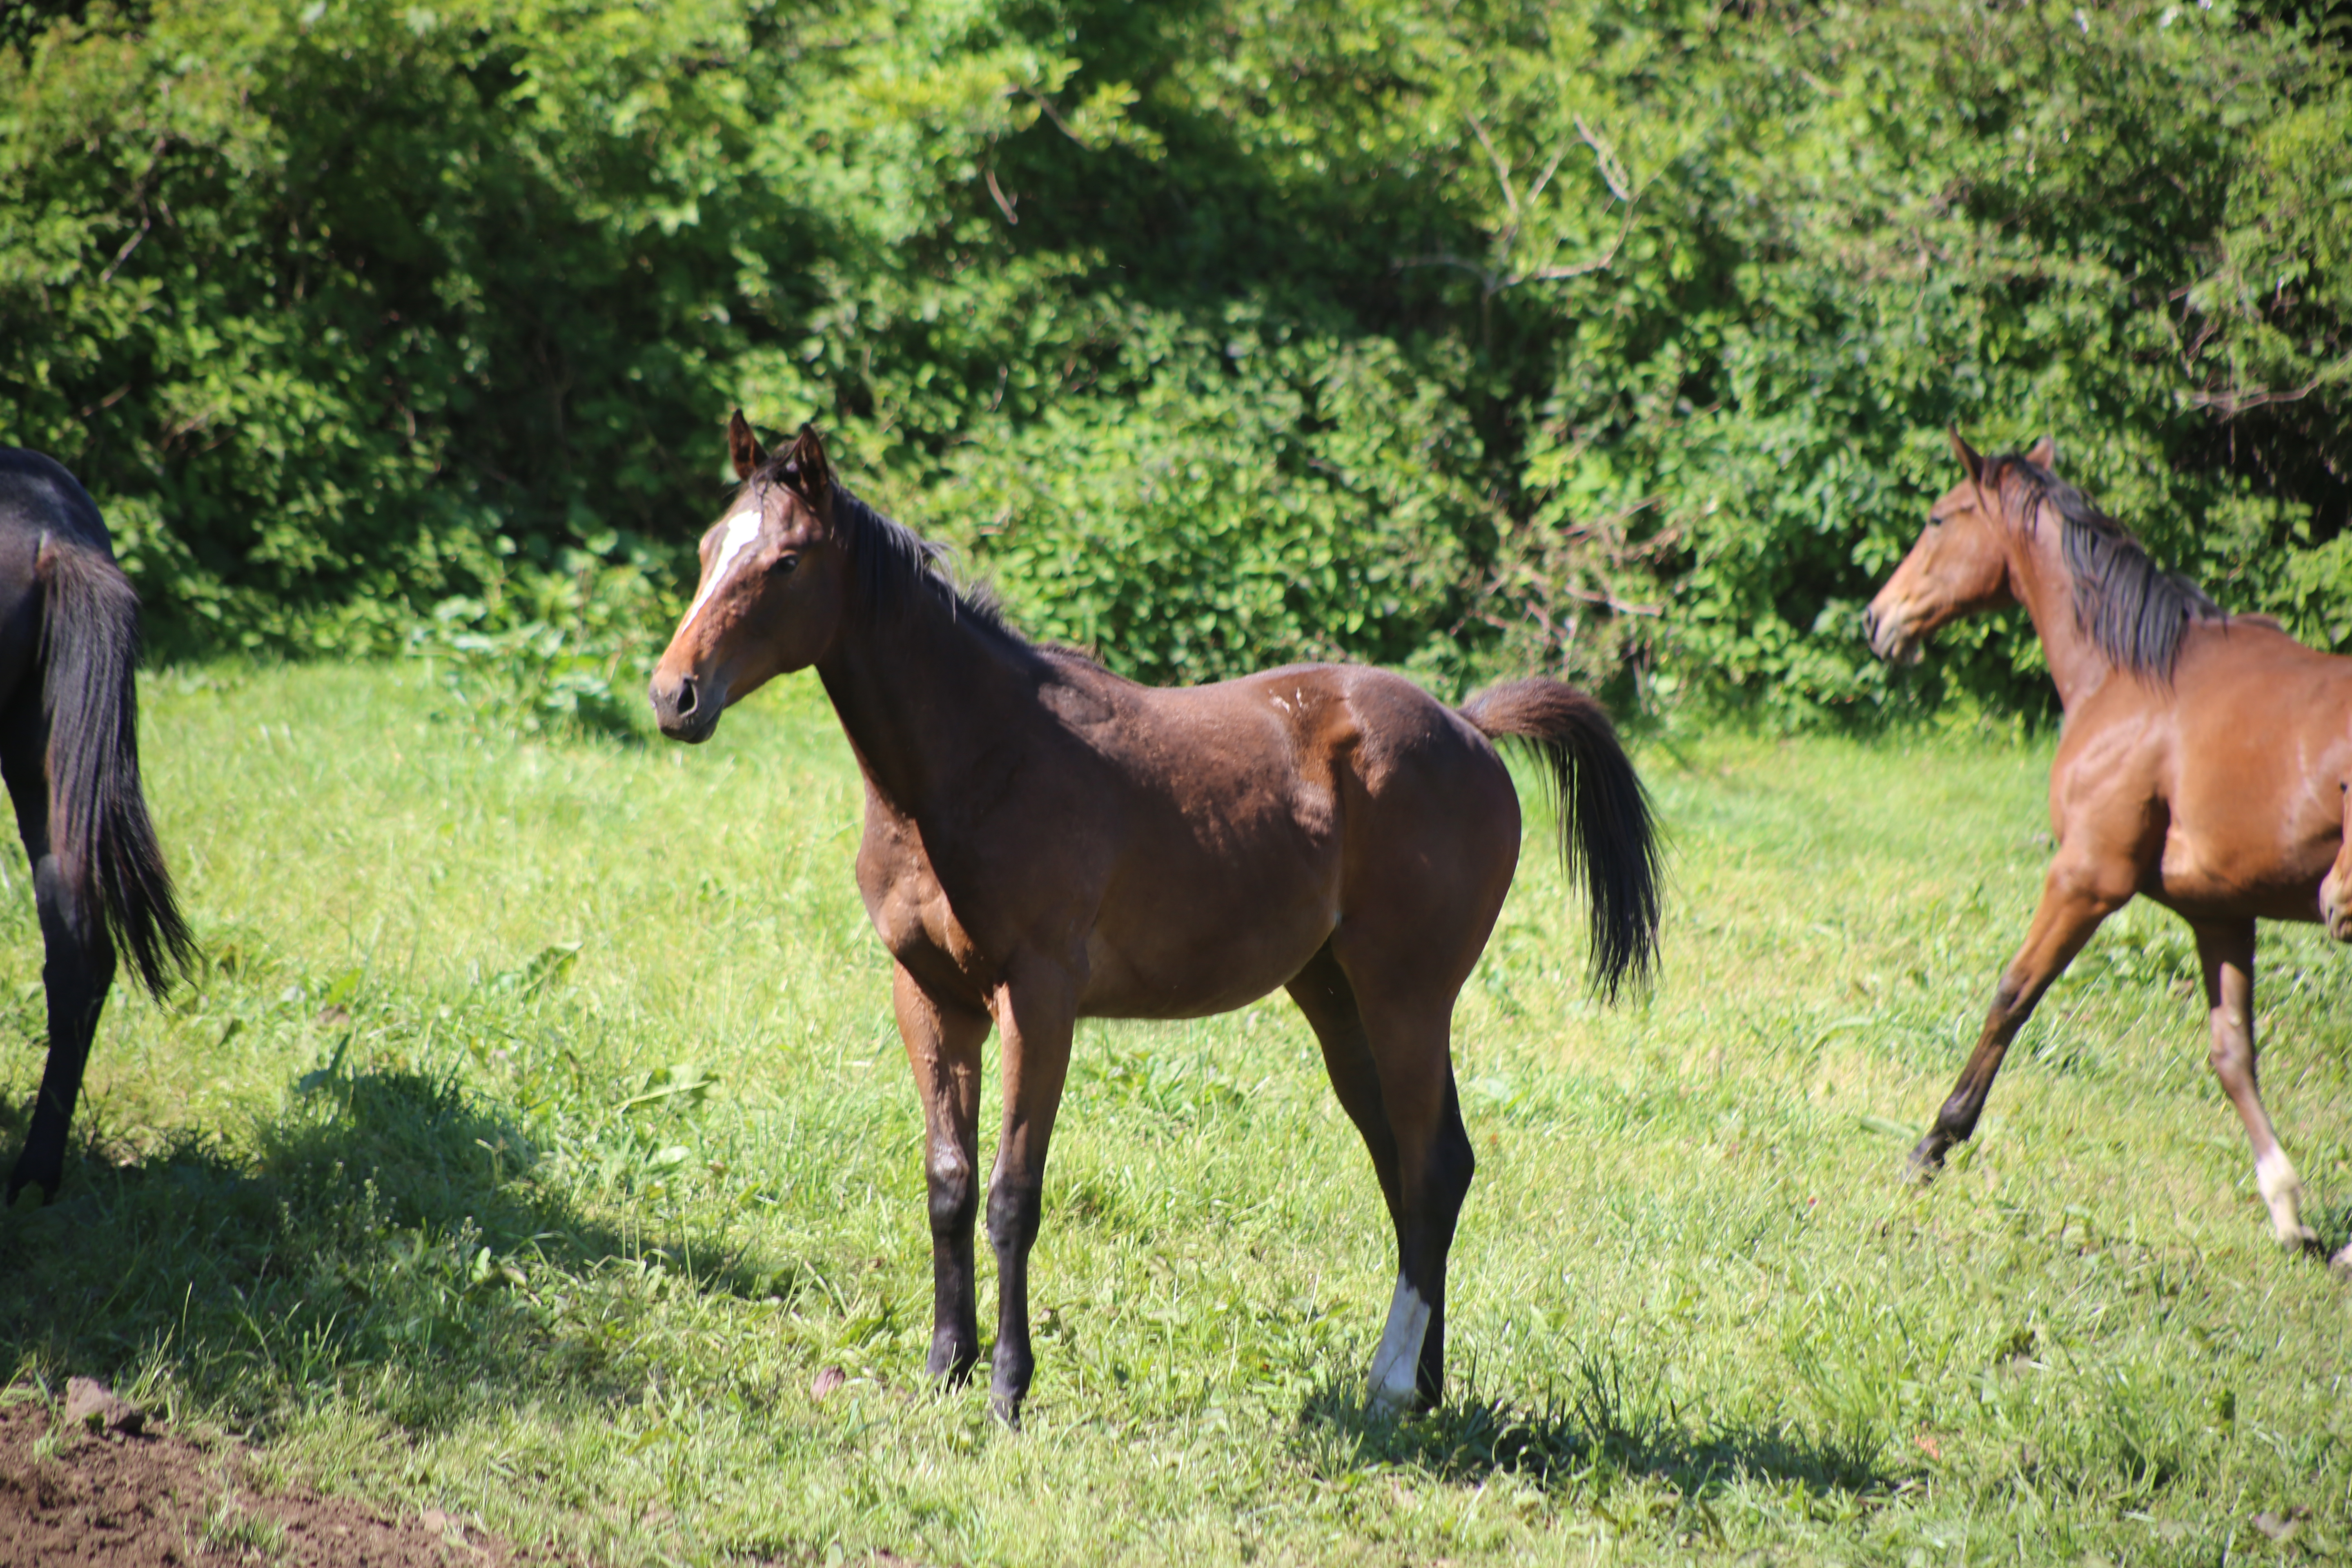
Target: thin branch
pixel 1610 600
pixel 123 255
pixel 1055 115
pixel 2230 403
pixel 108 401
pixel 1611 170
pixel 1004 203
pixel 1598 264
pixel 1502 170
pixel 1545 178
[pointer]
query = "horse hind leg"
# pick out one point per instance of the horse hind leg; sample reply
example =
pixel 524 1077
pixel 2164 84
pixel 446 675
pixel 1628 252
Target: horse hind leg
pixel 1329 1000
pixel 77 958
pixel 2226 950
pixel 1393 1075
pixel 1410 1367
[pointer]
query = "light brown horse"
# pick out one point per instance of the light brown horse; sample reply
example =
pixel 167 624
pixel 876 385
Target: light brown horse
pixel 1046 841
pixel 2200 764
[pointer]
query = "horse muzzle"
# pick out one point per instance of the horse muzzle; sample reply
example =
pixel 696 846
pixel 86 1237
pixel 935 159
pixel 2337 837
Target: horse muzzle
pixel 1890 639
pixel 686 707
pixel 2334 909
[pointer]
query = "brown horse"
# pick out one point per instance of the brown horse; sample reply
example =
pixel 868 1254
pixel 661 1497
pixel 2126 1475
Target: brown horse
pixel 2199 764
pixel 1046 841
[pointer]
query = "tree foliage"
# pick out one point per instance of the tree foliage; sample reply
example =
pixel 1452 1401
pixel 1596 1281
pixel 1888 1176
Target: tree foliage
pixel 1611 335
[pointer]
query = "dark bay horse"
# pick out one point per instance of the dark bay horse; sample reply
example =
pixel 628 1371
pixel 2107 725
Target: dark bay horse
pixel 2200 762
pixel 69 752
pixel 1046 841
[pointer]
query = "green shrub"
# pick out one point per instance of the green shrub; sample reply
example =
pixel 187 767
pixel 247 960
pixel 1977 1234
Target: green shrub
pixel 1612 336
pixel 545 653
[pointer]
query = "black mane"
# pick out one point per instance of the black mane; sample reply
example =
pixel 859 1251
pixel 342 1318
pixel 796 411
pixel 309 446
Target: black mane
pixel 2132 610
pixel 896 569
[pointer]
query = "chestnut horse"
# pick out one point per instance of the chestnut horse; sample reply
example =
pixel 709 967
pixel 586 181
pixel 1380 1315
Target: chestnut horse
pixel 69 752
pixel 1046 841
pixel 2200 762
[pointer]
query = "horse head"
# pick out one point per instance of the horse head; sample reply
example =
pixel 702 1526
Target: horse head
pixel 773 591
pixel 1959 565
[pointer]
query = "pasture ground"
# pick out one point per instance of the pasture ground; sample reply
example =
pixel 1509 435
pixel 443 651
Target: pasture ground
pixel 89 1493
pixel 537 1150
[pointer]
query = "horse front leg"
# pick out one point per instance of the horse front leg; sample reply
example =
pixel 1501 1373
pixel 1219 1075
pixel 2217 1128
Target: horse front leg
pixel 2226 949
pixel 1036 1019
pixel 2076 898
pixel 943 1047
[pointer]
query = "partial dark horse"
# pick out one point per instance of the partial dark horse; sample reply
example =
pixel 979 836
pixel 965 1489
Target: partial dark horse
pixel 2201 763
pixel 1046 841
pixel 69 752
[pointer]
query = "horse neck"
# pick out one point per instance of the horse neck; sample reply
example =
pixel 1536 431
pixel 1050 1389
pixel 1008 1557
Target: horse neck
pixel 923 696
pixel 2043 584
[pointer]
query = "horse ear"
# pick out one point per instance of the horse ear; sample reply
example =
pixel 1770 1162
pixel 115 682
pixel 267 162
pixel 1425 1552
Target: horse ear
pixel 2044 454
pixel 1968 458
pixel 812 476
pixel 744 446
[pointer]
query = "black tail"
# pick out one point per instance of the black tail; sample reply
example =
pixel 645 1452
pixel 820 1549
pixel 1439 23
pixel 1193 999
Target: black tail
pixel 98 831
pixel 1604 814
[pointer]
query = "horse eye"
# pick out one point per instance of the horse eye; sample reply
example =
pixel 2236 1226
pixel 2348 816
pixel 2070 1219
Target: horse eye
pixel 786 564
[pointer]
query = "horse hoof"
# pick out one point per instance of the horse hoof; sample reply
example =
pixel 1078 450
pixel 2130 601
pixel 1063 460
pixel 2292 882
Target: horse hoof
pixel 949 1365
pixel 2296 1237
pixel 1924 1165
pixel 2341 1266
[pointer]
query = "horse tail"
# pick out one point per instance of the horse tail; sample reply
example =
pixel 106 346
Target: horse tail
pixel 1604 814
pixel 103 843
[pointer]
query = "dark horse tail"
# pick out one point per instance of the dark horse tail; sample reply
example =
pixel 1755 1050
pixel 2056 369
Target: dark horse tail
pixel 105 847
pixel 1604 814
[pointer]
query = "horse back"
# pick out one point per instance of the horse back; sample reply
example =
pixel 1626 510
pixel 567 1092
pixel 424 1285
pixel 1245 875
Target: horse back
pixel 1285 805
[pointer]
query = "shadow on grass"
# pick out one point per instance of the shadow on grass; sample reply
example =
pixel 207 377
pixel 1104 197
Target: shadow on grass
pixel 2333 1223
pixel 1589 1437
pixel 386 1237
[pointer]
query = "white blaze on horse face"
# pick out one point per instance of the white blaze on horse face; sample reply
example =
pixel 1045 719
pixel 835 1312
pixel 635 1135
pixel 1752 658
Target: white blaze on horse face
pixel 742 528
pixel 1396 1365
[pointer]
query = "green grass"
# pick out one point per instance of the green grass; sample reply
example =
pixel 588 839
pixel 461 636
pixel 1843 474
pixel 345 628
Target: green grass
pixel 437 1208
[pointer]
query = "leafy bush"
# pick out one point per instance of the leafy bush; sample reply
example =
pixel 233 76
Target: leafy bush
pixel 1617 335
pixel 544 654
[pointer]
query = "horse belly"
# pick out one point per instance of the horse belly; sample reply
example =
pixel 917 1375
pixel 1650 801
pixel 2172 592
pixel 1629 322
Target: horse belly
pixel 2252 835
pixel 1200 933
pixel 2201 880
pixel 1219 972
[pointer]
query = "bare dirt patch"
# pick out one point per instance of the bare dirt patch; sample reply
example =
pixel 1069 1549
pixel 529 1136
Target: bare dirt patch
pixel 100 1484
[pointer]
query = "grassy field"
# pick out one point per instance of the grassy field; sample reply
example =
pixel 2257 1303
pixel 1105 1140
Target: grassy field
pixel 540 1136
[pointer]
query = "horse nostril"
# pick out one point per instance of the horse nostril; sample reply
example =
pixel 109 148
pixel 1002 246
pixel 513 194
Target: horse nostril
pixel 686 697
